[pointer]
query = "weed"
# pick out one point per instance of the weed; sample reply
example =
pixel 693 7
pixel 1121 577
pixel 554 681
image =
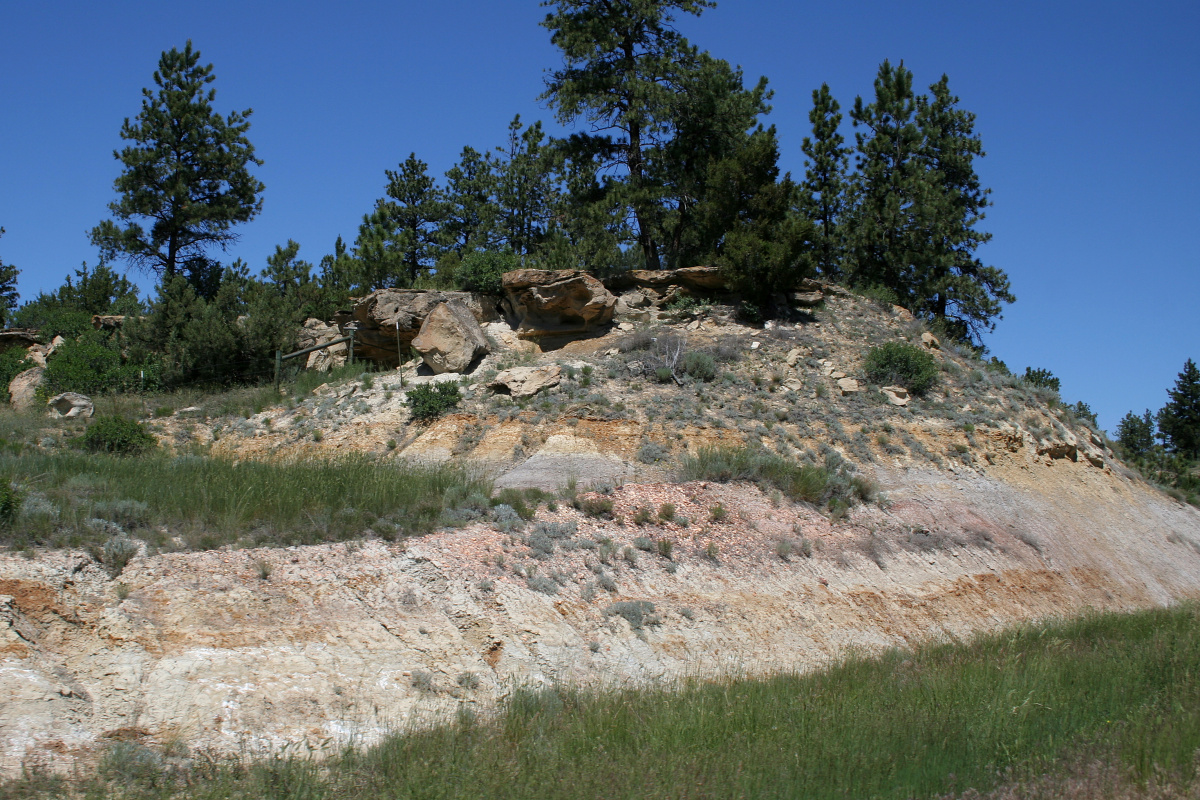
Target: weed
pixel 635 612
pixel 784 548
pixel 666 512
pixel 665 548
pixel 596 506
pixel 718 513
pixel 642 515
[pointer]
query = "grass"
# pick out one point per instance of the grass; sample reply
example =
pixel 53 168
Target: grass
pixel 723 465
pixel 210 502
pixel 1120 689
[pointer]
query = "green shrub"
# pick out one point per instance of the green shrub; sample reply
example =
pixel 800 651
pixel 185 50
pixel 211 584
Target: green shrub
pixel 880 295
pixel 723 465
pixel 1041 379
pixel 10 503
pixel 91 366
pixel 902 364
pixel 118 552
pixel 117 435
pixel 430 401
pixel 700 366
pixel 13 362
pixel 481 271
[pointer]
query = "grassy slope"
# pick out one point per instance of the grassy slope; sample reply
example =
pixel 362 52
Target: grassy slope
pixel 917 723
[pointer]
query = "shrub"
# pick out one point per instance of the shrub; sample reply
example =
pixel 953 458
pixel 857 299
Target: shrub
pixel 13 362
pixel 431 401
pixel 482 270
pixel 118 552
pixel 117 435
pixel 635 612
pixel 597 506
pixel 724 465
pixel 1041 379
pixel 700 366
pixel 90 366
pixel 902 364
pixel 10 503
pixel 666 512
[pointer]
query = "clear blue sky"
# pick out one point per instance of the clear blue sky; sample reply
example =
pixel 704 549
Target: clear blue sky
pixel 1089 112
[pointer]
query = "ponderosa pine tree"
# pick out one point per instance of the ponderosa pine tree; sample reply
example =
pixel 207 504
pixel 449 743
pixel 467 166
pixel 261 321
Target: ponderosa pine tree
pixel 888 227
pixel 1136 434
pixel 8 289
pixel 620 62
pixel 824 193
pixel 400 240
pixel 1179 419
pixel 186 175
pixel 471 211
pixel 525 187
pixel 954 286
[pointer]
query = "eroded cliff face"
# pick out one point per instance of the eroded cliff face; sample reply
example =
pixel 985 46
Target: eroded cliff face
pixel 346 642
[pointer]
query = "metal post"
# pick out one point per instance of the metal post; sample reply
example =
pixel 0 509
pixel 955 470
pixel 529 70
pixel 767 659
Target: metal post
pixel 399 356
pixel 278 367
pixel 351 328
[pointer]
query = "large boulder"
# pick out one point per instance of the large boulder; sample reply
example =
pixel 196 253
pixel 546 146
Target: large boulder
pixel 697 279
pixel 450 338
pixel 15 337
pixel 22 390
pixel 556 303
pixel 314 333
pixel 389 319
pixel 527 381
pixel 71 405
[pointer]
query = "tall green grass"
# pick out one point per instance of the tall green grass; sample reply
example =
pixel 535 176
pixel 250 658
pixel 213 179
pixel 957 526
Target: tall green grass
pixel 909 724
pixel 806 482
pixel 212 501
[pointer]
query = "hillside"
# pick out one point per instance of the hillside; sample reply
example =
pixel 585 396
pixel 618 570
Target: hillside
pixel 982 503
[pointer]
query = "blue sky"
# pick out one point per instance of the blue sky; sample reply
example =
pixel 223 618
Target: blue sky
pixel 1089 112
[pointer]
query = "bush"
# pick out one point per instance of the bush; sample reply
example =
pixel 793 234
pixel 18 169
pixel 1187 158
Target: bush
pixel 90 366
pixel 431 401
pixel 117 435
pixel 1041 379
pixel 482 271
pixel 13 362
pixel 902 364
pixel 700 366
pixel 723 465
pixel 10 503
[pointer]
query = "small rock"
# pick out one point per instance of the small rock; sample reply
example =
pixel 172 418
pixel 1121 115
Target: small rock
pixel 848 385
pixel 930 341
pixel 896 395
pixel 527 381
pixel 794 384
pixel 793 356
pixel 694 325
pixel 71 405
pixel 837 375
pixel 755 345
pixel 807 299
pixel 625 326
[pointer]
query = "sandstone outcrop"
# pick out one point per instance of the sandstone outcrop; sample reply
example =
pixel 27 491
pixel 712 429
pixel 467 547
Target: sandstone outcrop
pixel 315 332
pixel 930 341
pixel 22 390
pixel 107 322
pixel 527 381
pixel 450 338
pixel 389 319
pixel 562 304
pixel 17 338
pixel 71 405
pixel 896 395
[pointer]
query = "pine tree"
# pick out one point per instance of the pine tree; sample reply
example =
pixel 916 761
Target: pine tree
pixel 888 227
pixel 525 188
pixel 1136 434
pixel 8 290
pixel 186 175
pixel 954 286
pixel 824 193
pixel 400 240
pixel 1179 419
pixel 471 210
pixel 619 72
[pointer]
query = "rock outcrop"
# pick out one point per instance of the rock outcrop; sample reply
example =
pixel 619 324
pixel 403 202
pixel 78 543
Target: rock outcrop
pixel 16 337
pixel 315 332
pixel 22 390
pixel 389 319
pixel 70 405
pixel 556 304
pixel 107 322
pixel 450 338
pixel 527 381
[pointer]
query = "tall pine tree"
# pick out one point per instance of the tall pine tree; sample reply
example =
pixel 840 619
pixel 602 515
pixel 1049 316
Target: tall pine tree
pixel 400 240
pixel 8 289
pixel 186 176
pixel 619 75
pixel 954 286
pixel 824 193
pixel 888 227
pixel 1179 419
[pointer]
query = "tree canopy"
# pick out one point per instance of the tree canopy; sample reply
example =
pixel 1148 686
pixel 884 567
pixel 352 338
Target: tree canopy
pixel 185 176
